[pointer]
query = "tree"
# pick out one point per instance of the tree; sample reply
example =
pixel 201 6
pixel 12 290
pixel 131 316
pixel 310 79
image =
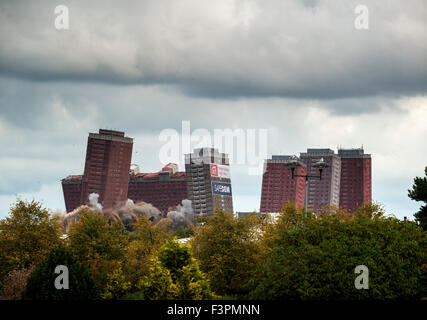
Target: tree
pixel 175 257
pixel 117 285
pixel 419 193
pixel 41 282
pixel 26 236
pixel 146 240
pixel 175 274
pixel 15 284
pixel 148 237
pixel 228 249
pixel 183 232
pixel 158 284
pixel 100 245
pixel 315 257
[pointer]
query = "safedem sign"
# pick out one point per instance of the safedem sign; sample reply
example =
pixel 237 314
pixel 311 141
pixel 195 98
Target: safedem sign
pixel 221 188
pixel 220 171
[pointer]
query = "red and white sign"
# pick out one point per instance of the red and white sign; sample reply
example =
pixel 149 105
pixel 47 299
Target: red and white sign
pixel 220 171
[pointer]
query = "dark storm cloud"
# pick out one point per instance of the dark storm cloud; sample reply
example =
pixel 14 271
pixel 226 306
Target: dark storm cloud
pixel 144 66
pixel 223 49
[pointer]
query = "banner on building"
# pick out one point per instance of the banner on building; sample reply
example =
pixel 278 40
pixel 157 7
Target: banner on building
pixel 221 188
pixel 220 171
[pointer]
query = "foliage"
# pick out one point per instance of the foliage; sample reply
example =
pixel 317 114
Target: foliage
pixel 40 283
pixel 183 232
pixel 98 244
pixel 228 249
pixel 117 285
pixel 419 193
pixel 147 239
pixel 175 274
pixel 26 236
pixel 15 284
pixel 314 257
pixel 158 284
pixel 175 257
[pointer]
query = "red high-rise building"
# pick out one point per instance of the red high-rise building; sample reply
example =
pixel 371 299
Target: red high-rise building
pixel 164 190
pixel 72 188
pixel 106 173
pixel 356 185
pixel 278 187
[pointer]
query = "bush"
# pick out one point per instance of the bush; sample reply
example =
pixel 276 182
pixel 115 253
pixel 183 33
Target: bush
pixel 228 249
pixel 26 236
pixel 117 285
pixel 98 244
pixel 315 258
pixel 40 284
pixel 15 284
pixel 174 274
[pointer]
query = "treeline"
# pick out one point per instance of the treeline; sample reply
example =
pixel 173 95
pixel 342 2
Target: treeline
pixel 293 256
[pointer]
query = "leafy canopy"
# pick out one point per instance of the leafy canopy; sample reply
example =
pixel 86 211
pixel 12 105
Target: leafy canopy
pixel 98 244
pixel 175 274
pixel 314 257
pixel 26 236
pixel 41 282
pixel 419 193
pixel 228 249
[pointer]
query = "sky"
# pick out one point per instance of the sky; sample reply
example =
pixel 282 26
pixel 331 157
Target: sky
pixel 299 70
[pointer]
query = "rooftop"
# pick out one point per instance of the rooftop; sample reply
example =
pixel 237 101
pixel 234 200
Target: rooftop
pixel 112 135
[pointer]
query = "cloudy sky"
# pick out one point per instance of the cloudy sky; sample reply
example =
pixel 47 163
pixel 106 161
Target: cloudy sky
pixel 297 68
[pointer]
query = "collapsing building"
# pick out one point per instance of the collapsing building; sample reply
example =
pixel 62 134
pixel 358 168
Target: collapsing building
pixel 109 173
pixel 164 189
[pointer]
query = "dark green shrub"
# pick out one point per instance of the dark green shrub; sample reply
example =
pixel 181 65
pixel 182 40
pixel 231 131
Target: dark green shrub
pixel 41 282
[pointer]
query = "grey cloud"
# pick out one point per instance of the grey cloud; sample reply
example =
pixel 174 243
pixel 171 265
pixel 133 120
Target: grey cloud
pixel 223 49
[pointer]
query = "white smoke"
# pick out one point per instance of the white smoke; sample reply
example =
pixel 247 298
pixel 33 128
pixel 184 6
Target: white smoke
pixel 130 211
pixel 93 202
pixel 183 215
pixel 69 218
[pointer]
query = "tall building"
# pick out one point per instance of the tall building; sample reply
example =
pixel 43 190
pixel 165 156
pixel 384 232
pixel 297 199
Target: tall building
pixel 72 189
pixel 356 186
pixel 327 190
pixel 106 173
pixel 278 187
pixel 164 189
pixel 208 181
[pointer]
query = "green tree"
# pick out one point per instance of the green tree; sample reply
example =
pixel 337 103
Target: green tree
pixel 314 257
pixel 158 284
pixel 100 245
pixel 117 285
pixel 41 282
pixel 146 241
pixel 228 249
pixel 419 193
pixel 175 274
pixel 26 236
pixel 175 257
pixel 183 232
